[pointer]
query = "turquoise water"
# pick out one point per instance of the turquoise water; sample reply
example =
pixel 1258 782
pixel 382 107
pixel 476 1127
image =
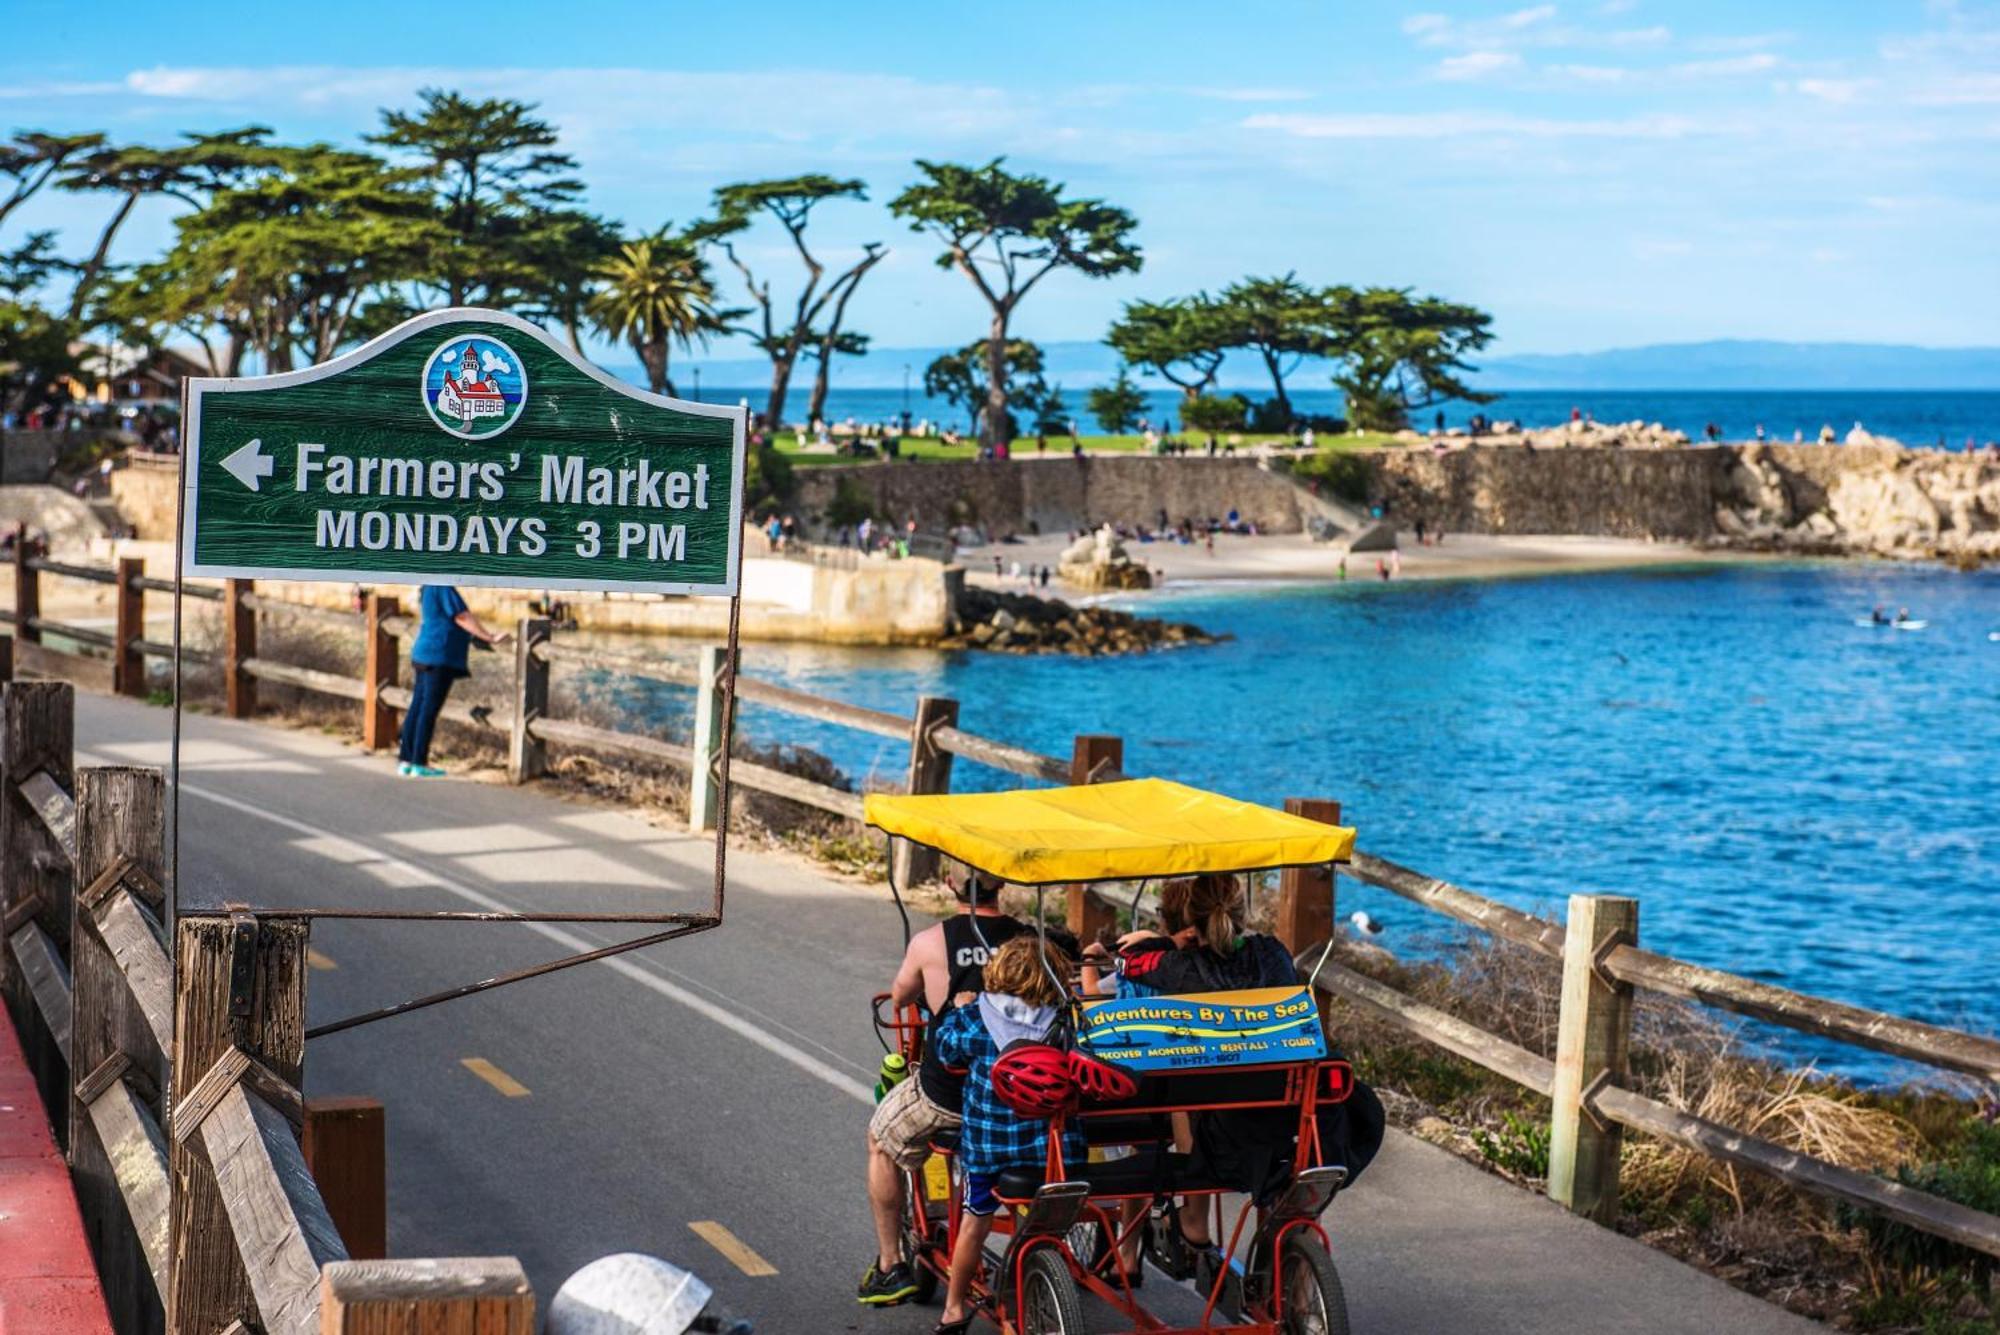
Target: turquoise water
pixel 1790 796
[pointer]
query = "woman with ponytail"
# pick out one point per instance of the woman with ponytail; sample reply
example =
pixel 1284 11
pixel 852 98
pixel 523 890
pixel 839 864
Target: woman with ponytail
pixel 1203 947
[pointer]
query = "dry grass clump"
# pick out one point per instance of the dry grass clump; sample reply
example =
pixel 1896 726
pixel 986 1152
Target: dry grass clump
pixel 1795 1108
pixel 1753 1231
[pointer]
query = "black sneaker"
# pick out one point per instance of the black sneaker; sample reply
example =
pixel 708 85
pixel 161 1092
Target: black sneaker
pixel 886 1288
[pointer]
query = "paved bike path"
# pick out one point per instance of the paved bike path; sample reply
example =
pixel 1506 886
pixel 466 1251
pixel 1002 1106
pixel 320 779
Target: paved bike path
pixel 704 1100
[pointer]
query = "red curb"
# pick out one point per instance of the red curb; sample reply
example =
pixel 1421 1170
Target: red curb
pixel 48 1283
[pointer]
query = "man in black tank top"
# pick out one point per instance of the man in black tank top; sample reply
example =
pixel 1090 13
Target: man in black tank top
pixel 942 961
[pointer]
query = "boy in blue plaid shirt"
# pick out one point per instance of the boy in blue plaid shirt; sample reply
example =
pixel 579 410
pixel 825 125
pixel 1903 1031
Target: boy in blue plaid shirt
pixel 1021 1000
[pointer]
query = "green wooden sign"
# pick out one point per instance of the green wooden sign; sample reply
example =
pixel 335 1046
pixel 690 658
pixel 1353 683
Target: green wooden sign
pixel 462 447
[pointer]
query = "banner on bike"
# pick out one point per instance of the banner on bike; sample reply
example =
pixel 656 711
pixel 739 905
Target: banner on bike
pixel 1245 1028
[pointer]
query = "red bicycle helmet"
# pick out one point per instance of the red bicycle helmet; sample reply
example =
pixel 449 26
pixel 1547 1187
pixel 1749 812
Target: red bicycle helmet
pixel 1034 1079
pixel 1099 1081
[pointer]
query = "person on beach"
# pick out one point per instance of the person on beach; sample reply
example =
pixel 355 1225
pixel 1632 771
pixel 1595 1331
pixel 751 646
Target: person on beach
pixel 438 657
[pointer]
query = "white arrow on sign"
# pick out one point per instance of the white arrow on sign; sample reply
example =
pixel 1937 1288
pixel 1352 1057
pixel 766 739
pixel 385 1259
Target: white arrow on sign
pixel 250 465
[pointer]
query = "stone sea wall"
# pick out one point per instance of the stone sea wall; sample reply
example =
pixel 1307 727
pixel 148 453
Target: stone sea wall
pixel 1060 494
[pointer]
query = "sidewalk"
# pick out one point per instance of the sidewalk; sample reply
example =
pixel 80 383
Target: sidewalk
pixel 48 1283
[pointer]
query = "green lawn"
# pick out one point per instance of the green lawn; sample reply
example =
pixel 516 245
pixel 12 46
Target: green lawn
pixel 1024 446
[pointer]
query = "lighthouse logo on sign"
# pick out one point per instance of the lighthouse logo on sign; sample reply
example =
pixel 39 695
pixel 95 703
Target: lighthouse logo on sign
pixel 474 386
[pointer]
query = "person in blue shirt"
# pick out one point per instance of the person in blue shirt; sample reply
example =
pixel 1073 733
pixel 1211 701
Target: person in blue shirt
pixel 438 657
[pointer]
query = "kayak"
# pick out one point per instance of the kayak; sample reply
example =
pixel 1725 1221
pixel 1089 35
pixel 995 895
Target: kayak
pixel 1911 625
pixel 1907 625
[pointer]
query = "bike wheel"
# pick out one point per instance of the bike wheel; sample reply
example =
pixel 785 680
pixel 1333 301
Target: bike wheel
pixel 1049 1302
pixel 1314 1303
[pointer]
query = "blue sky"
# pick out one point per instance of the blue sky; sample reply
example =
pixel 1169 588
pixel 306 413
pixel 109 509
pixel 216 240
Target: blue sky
pixel 1596 173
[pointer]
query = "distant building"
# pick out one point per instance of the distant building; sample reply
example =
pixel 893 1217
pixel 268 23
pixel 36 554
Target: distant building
pixel 132 377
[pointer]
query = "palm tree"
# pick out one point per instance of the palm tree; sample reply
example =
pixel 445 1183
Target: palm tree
pixel 657 292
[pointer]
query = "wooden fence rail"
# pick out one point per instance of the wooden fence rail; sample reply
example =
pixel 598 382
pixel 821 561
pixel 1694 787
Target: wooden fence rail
pixel 1583 1081
pixel 215 1215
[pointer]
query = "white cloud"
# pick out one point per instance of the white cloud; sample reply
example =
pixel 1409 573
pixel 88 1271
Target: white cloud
pixel 1476 64
pixel 1465 124
pixel 1534 26
pixel 1726 67
pixel 1658 248
pixel 493 361
pixel 1589 74
pixel 446 356
pixel 609 103
pixel 1528 18
pixel 1831 90
pixel 1959 90
pixel 1253 94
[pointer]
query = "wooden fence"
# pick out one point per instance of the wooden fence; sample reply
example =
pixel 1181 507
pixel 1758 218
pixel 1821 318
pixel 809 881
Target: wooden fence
pixel 211 1218
pixel 1598 946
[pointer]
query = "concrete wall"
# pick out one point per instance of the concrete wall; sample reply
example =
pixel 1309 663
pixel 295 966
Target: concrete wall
pixel 145 500
pixel 1060 494
pixel 879 602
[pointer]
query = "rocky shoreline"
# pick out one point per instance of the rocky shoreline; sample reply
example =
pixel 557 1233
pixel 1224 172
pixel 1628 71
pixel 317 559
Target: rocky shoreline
pixel 1021 623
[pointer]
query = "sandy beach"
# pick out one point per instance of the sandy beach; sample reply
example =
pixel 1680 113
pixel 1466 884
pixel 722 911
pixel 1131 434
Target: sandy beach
pixel 1292 557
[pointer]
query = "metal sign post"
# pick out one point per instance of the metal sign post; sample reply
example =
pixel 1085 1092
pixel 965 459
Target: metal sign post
pixel 465 447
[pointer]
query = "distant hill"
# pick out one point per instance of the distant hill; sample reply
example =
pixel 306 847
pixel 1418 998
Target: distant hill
pixel 1749 364
pixel 1717 364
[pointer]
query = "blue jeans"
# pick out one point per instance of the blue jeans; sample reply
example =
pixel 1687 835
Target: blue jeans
pixel 427 693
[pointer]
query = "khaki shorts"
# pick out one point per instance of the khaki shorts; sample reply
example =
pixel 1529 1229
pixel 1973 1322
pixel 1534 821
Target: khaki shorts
pixel 904 1123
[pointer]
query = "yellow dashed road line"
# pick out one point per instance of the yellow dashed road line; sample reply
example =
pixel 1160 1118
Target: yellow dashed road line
pixel 733 1248
pixel 495 1077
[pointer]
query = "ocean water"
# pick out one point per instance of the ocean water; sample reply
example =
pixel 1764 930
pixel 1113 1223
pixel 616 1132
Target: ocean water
pixel 1789 795
pixel 1915 417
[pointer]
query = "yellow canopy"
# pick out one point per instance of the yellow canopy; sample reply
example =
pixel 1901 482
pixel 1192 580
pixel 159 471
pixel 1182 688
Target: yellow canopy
pixel 1107 832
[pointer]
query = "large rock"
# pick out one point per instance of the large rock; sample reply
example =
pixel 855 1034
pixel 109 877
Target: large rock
pixel 1099 562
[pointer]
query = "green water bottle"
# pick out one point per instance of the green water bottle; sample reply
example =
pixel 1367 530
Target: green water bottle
pixel 895 1069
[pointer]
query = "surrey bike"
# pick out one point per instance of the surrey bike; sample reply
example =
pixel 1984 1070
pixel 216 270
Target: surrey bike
pixel 1261 1051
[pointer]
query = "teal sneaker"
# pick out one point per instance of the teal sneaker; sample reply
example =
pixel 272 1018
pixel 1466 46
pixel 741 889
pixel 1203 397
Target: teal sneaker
pixel 426 772
pixel 403 768
pixel 880 1288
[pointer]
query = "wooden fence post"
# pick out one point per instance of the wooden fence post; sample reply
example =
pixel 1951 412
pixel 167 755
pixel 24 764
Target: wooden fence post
pixel 239 643
pixel 6 659
pixel 708 740
pixel 27 588
pixel 379 669
pixel 120 853
pixel 1093 755
pixel 1592 1035
pixel 1305 894
pixel 128 665
pixel 345 1144
pixel 487 1294
pixel 241 985
pixel 37 736
pixel 930 772
pixel 527 754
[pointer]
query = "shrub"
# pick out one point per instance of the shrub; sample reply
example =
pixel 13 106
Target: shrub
pixel 1350 477
pixel 768 477
pixel 1520 1145
pixel 850 505
pixel 1215 412
pixel 1970 1175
